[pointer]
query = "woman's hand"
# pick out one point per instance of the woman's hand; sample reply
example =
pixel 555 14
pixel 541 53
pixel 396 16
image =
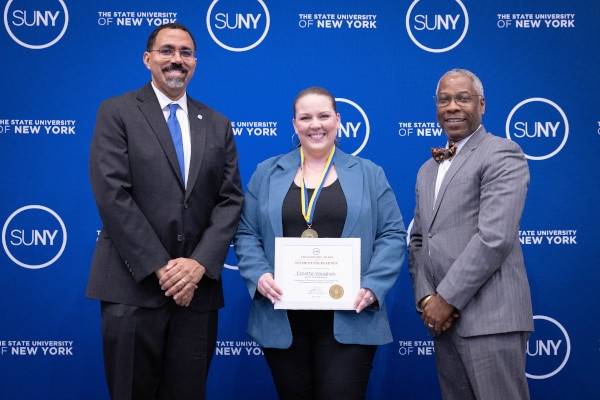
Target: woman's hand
pixel 268 288
pixel 364 299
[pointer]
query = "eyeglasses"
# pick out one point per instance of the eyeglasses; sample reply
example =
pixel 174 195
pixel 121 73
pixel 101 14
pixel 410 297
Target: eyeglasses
pixel 462 99
pixel 168 53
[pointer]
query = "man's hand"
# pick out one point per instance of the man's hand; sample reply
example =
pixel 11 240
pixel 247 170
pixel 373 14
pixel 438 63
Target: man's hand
pixel 438 314
pixel 179 278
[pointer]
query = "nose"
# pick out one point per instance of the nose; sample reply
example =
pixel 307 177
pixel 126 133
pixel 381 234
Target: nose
pixel 176 58
pixel 453 104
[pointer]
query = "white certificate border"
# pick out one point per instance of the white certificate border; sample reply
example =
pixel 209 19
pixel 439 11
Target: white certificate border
pixel 347 302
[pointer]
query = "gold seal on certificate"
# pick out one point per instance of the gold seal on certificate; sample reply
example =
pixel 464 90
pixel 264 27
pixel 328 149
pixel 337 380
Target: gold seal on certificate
pixel 309 233
pixel 336 292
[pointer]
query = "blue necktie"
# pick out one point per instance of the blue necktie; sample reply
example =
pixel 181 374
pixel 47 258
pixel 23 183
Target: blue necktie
pixel 175 129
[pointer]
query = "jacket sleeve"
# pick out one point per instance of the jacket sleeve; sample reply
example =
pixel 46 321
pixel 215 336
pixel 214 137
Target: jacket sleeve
pixel 129 230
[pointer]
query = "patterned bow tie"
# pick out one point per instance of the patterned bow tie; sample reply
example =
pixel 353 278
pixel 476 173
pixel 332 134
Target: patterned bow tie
pixel 440 154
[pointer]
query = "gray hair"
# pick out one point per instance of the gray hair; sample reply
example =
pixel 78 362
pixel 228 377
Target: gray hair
pixel 477 85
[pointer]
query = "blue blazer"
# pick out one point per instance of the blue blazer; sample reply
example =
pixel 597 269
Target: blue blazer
pixel 373 215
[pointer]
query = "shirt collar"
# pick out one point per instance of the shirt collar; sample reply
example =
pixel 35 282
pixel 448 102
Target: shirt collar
pixel 461 143
pixel 164 101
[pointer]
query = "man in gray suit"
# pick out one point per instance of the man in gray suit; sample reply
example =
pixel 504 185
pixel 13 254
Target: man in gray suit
pixel 167 226
pixel 465 258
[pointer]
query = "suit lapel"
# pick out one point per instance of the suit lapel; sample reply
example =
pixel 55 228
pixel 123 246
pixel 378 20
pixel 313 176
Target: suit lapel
pixel 457 163
pixel 198 141
pixel 352 182
pixel 149 106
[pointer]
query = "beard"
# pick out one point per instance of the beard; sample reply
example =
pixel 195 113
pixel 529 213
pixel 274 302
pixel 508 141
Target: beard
pixel 175 82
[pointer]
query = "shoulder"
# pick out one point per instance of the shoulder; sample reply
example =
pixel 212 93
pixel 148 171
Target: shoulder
pixel 283 161
pixel 493 144
pixel 346 160
pixel 129 98
pixel 352 168
pixel 205 111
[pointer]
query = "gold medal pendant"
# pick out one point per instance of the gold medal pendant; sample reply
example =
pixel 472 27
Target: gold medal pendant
pixel 309 233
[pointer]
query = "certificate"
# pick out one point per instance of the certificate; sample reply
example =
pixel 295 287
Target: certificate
pixel 317 273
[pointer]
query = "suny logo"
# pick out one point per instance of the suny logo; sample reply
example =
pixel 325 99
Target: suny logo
pixel 548 348
pixel 34 237
pixel 437 26
pixel 539 126
pixel 354 128
pixel 36 24
pixel 237 27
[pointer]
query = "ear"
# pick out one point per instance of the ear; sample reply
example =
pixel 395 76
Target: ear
pixel 482 105
pixel 146 59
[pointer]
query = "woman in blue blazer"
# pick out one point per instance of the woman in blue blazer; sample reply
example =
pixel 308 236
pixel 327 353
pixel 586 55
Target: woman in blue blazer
pixel 316 354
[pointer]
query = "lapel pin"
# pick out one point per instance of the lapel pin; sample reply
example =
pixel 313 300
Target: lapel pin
pixel 199 116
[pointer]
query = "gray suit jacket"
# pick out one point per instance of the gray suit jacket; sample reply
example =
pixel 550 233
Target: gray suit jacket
pixel 465 246
pixel 148 216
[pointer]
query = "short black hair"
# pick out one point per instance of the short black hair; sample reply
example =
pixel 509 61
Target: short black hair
pixel 171 25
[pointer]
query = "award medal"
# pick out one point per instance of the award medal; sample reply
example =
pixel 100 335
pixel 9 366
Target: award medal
pixel 308 207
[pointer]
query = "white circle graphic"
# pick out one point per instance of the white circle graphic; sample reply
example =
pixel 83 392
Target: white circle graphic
pixel 367 125
pixel 568 352
pixel 561 112
pixel 227 266
pixel 40 46
pixel 238 49
pixel 430 49
pixel 34 266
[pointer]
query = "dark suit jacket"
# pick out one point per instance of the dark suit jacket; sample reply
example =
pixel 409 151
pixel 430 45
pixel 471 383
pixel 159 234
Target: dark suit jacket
pixel 148 216
pixel 465 245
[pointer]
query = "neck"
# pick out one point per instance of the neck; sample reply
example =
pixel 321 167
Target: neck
pixel 316 161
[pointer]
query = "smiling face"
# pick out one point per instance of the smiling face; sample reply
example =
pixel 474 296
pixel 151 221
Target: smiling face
pixel 459 121
pixel 316 123
pixel 171 75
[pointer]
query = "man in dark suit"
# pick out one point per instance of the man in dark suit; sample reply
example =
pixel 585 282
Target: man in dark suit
pixel 167 226
pixel 465 258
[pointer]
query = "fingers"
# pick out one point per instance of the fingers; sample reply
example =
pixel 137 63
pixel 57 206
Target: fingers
pixel 184 297
pixel 180 272
pixel 364 299
pixel 177 286
pixel 440 326
pixel 268 288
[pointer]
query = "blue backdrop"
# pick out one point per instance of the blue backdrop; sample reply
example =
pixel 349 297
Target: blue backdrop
pixel 538 62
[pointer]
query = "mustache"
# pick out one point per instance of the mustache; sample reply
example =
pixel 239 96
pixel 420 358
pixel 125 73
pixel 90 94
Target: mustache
pixel 175 67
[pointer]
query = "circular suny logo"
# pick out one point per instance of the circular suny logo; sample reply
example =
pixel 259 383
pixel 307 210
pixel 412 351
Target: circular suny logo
pixel 36 24
pixel 539 126
pixel 437 26
pixel 238 25
pixel 34 237
pixel 548 348
pixel 354 129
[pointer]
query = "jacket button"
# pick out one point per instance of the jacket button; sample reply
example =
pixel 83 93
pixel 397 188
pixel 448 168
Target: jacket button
pixel 179 238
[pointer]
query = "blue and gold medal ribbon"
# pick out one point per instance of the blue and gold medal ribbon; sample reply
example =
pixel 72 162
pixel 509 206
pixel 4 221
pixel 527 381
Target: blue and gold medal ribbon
pixel 308 207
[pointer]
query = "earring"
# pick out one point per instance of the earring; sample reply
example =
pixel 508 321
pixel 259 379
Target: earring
pixel 294 144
